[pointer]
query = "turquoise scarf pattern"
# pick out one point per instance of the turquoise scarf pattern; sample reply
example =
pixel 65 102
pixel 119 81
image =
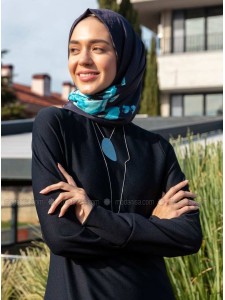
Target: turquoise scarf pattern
pixel 98 103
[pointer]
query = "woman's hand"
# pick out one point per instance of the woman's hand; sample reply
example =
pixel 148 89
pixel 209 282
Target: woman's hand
pixel 175 202
pixel 72 196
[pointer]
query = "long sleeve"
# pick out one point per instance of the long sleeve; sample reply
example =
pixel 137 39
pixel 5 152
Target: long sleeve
pixel 164 237
pixel 64 236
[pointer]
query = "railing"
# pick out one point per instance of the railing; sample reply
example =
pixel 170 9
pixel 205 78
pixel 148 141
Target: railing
pixel 191 43
pixel 16 126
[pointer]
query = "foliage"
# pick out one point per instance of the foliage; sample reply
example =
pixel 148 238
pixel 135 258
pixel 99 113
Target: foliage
pixel 125 8
pixel 7 283
pixel 194 277
pixel 11 107
pixel 150 94
pixel 108 4
pixel 4 52
pixel 199 276
pixel 26 278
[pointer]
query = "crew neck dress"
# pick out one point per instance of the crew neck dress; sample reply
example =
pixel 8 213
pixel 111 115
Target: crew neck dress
pixel 117 253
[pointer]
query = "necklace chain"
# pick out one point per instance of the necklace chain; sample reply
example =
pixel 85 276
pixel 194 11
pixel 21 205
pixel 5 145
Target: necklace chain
pixel 103 134
pixel 107 168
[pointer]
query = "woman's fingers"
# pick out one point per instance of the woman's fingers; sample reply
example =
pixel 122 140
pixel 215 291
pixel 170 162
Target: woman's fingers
pixel 186 202
pixel 173 190
pixel 62 197
pixel 186 209
pixel 57 186
pixel 181 195
pixel 66 205
pixel 176 202
pixel 66 175
pixel 76 196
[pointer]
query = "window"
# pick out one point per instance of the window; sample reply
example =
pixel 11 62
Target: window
pixel 214 104
pixel 194 25
pixel 197 29
pixel 193 105
pixel 196 104
pixel 214 29
pixel 176 106
pixel 178 31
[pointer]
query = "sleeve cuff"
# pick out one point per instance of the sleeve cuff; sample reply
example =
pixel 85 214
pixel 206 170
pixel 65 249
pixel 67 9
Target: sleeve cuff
pixel 115 228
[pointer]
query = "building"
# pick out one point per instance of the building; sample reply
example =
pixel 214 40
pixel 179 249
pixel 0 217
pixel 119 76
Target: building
pixel 39 94
pixel 190 54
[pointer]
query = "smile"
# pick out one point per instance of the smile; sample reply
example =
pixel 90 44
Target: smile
pixel 88 76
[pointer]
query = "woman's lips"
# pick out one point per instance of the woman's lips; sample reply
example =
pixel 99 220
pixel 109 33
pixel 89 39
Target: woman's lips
pixel 88 76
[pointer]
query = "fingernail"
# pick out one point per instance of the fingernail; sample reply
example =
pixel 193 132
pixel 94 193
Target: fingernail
pixel 49 211
pixel 42 191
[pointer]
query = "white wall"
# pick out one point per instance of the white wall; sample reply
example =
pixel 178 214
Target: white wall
pixel 189 72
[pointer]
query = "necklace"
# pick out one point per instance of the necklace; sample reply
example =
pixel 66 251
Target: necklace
pixel 107 168
pixel 107 145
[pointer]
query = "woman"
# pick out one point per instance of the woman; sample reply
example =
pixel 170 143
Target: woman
pixel 98 178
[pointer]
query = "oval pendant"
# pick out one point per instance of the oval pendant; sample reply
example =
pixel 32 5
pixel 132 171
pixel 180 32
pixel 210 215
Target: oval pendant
pixel 108 149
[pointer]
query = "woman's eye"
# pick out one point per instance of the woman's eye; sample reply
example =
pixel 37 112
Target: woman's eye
pixel 98 50
pixel 74 50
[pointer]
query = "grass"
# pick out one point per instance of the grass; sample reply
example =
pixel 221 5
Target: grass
pixel 25 279
pixel 7 224
pixel 199 276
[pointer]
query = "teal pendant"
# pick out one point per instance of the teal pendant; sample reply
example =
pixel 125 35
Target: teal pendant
pixel 108 149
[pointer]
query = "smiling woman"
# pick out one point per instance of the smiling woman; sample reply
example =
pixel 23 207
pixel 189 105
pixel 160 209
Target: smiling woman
pixel 110 196
pixel 92 61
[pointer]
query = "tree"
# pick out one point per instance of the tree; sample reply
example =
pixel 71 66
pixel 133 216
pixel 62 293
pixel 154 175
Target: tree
pixel 11 108
pixel 3 52
pixel 108 4
pixel 150 98
pixel 125 8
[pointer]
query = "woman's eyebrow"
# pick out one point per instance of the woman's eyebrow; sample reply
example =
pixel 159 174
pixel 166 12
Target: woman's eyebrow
pixel 90 41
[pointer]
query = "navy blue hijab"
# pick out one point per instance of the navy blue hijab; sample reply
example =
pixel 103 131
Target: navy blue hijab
pixel 117 104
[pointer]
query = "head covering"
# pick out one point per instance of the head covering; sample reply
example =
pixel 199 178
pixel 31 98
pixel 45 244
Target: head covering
pixel 117 104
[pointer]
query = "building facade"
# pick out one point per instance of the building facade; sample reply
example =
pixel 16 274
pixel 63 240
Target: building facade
pixel 190 35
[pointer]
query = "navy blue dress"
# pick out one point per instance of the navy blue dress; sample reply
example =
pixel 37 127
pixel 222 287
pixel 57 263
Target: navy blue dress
pixel 112 255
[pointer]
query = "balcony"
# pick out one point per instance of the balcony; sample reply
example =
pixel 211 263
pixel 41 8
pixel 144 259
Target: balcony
pixel 150 10
pixel 192 43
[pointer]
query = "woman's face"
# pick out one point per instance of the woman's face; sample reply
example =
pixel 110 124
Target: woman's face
pixel 92 58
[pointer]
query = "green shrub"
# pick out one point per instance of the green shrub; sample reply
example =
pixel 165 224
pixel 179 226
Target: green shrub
pixel 7 284
pixel 199 276
pixel 26 278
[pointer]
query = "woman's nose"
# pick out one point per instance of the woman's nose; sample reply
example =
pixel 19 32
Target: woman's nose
pixel 85 58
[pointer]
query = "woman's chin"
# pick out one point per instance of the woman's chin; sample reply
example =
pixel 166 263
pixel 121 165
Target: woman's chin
pixel 89 91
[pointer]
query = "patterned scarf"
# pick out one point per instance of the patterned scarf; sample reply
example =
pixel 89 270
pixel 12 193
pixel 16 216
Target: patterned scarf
pixel 118 103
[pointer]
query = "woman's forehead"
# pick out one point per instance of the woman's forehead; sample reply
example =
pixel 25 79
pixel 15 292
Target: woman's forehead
pixel 91 28
pixel 90 25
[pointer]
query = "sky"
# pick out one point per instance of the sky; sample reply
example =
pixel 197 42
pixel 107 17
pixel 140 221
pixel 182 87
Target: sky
pixel 36 34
